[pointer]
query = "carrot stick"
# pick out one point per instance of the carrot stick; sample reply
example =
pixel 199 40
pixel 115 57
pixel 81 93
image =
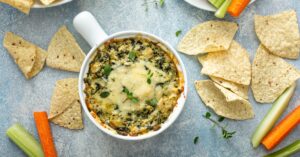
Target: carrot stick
pixel 44 131
pixel 279 132
pixel 237 6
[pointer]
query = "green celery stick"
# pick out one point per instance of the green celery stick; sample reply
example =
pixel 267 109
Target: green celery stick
pixel 272 116
pixel 22 138
pixel 216 3
pixel 221 12
pixel 286 151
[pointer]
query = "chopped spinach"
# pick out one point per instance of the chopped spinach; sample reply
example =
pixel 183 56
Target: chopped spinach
pixel 152 102
pixel 104 94
pixel 106 70
pixel 132 56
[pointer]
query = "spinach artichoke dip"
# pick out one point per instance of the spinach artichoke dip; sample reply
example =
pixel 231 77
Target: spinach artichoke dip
pixel 132 85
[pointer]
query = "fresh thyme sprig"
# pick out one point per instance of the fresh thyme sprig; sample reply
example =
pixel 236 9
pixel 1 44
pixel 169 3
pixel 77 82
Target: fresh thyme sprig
pixel 160 3
pixel 130 95
pixel 149 77
pixel 225 133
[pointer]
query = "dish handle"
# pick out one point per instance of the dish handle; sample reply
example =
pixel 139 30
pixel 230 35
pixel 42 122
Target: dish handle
pixel 86 24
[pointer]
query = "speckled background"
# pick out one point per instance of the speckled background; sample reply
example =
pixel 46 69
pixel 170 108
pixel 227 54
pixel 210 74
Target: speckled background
pixel 20 97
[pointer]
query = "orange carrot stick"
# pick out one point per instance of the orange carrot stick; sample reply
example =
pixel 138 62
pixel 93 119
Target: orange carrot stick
pixel 44 131
pixel 279 132
pixel 237 6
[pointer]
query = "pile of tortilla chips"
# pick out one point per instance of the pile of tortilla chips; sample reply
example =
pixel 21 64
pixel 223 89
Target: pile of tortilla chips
pixel 65 109
pixel 63 53
pixel 226 62
pixel 25 5
pixel 279 36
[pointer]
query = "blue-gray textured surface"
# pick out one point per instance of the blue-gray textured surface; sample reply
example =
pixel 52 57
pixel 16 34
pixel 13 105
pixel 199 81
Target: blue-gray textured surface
pixel 20 97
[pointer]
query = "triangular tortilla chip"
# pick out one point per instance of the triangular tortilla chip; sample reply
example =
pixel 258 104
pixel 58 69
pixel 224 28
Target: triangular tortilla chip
pixel 39 62
pixel 65 92
pixel 238 89
pixel 71 118
pixel 271 75
pixel 223 102
pixel 210 36
pixel 279 33
pixel 27 56
pixel 232 65
pixel 22 5
pixel 47 2
pixel 64 52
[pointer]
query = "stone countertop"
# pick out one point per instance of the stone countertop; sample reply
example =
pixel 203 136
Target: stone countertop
pixel 20 97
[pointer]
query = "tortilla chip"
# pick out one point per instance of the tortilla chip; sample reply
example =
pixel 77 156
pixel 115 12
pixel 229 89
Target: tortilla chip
pixel 64 52
pixel 22 5
pixel 39 63
pixel 71 118
pixel 224 102
pixel 65 93
pixel 210 36
pixel 47 2
pixel 238 89
pixel 279 33
pixel 271 75
pixel 232 65
pixel 27 56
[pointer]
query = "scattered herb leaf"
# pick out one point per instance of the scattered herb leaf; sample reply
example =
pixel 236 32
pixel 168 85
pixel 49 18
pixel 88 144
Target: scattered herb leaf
pixel 132 56
pixel 196 140
pixel 221 119
pixel 130 95
pixel 207 115
pixel 104 94
pixel 152 102
pixel 149 76
pixel 178 33
pixel 161 3
pixel 106 70
pixel 225 133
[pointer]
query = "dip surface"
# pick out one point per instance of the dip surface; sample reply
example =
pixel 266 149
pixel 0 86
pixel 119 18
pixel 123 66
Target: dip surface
pixel 132 85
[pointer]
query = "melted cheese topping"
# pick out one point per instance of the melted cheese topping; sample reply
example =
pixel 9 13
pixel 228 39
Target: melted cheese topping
pixel 134 78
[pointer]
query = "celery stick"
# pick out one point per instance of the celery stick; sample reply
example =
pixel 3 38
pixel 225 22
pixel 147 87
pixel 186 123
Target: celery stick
pixel 272 116
pixel 216 3
pixel 22 138
pixel 286 151
pixel 221 12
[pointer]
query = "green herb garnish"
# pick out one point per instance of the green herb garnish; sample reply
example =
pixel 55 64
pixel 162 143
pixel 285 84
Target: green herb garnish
pixel 161 3
pixel 226 134
pixel 104 94
pixel 106 70
pixel 130 95
pixel 207 115
pixel 178 33
pixel 149 76
pixel 221 119
pixel 196 140
pixel 132 56
pixel 152 102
